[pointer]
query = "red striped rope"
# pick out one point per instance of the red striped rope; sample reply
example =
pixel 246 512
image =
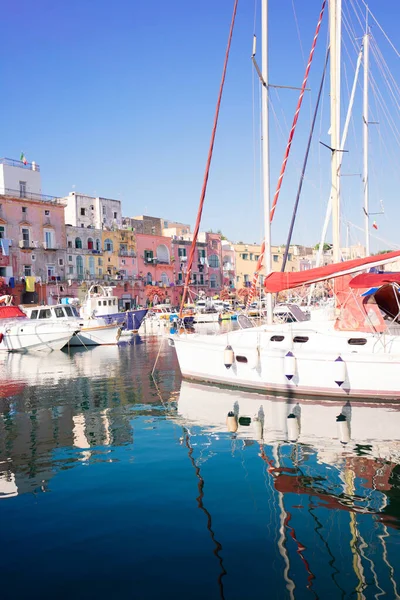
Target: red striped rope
pixel 287 152
pixel 210 152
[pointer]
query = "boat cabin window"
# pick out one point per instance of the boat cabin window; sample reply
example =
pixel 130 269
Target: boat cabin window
pixel 45 313
pixel 114 302
pixel 59 312
pixel 241 359
pixel 357 341
pixel 99 302
pixel 34 314
pixel 277 338
pixel 104 302
pixel 300 339
pixel 109 303
pixel 74 311
pixel 69 311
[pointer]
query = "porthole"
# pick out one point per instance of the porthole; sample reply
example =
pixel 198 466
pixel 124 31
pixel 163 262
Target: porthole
pixel 357 341
pixel 241 359
pixel 300 339
pixel 277 338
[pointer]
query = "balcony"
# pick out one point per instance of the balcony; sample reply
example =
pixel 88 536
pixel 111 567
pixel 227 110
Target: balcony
pixel 131 253
pixel 28 244
pixel 30 196
pixel 50 246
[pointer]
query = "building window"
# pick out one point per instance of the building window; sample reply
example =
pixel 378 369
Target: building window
pixel 90 244
pixel 91 266
pixel 213 281
pixel 22 189
pixel 71 270
pixel 48 239
pixel 83 212
pixel 166 224
pixel 47 213
pixel 149 278
pixel 148 256
pixel 78 243
pixel 181 252
pixel 100 271
pixel 79 267
pixel 2 232
pixel 115 215
pixel 98 245
pixel 25 238
pixel 69 258
pixel 108 245
pixel 100 261
pixel 245 256
pixel 246 278
pixel 276 258
pixel 289 256
pixel 213 261
pixel 202 254
pixel 27 270
pixel 24 210
pixel 103 210
pixel 69 244
pixel 51 272
pixel 60 262
pixel 33 257
pixel 201 277
pixel 92 207
pixel 164 279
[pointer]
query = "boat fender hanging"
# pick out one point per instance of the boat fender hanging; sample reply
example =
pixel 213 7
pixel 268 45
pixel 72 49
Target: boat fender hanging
pixel 293 428
pixel 1 337
pixel 339 371
pixel 229 357
pixel 231 422
pixel 253 359
pixel 289 365
pixel 343 427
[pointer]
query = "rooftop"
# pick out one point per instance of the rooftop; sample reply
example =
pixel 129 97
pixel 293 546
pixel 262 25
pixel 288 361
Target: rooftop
pixel 18 163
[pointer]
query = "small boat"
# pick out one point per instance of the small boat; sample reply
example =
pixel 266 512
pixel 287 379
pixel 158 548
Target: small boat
pixel 100 302
pixel 19 334
pixel 90 332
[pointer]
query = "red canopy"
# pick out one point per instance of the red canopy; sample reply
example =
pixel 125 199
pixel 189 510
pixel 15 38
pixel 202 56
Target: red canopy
pixel 276 282
pixel 369 280
pixel 8 312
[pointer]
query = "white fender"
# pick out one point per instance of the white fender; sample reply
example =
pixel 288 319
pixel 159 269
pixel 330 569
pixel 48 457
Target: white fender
pixel 343 428
pixel 339 371
pixel 229 357
pixel 293 428
pixel 253 359
pixel 289 365
pixel 231 422
pixel 257 428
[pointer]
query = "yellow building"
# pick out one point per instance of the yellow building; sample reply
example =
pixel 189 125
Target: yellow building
pixel 119 253
pixel 247 255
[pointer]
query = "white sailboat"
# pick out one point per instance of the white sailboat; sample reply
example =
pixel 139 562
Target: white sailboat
pixel 356 354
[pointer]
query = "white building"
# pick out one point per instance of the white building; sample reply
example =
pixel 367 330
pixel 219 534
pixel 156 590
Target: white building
pixel 20 180
pixel 95 213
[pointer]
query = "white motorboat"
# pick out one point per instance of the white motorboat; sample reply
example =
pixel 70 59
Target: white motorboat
pixel 90 332
pixel 19 334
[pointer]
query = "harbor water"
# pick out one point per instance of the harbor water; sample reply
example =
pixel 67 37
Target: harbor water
pixel 118 484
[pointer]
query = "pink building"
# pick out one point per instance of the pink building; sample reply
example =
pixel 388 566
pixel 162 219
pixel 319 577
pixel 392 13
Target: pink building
pixel 155 264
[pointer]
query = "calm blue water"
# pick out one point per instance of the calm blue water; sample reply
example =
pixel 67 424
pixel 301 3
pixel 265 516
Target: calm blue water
pixel 115 485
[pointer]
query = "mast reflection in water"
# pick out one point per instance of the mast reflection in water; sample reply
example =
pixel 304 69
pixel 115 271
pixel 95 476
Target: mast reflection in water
pixel 113 484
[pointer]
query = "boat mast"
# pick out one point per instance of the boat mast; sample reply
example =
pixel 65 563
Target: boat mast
pixel 265 152
pixel 365 138
pixel 334 32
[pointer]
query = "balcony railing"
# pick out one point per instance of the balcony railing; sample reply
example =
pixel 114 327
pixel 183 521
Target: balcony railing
pixel 29 196
pixel 18 163
pixel 127 253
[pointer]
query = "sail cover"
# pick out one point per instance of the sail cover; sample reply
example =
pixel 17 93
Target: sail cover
pixel 277 282
pixel 373 280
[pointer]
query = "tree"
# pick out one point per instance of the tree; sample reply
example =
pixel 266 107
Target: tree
pixel 155 292
pixel 326 247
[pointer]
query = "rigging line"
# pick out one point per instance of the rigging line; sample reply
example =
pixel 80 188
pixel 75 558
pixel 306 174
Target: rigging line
pixel 381 64
pixel 388 243
pixel 208 164
pixel 200 504
pixel 382 30
pixel 296 204
pixel 287 152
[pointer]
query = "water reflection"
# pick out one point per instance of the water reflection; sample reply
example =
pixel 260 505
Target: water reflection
pixel 225 494
pixel 321 462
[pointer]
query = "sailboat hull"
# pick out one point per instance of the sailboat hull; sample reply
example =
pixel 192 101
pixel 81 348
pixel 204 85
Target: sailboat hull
pixel 296 361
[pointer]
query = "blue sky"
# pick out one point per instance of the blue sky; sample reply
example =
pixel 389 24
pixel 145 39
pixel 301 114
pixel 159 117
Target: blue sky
pixel 117 99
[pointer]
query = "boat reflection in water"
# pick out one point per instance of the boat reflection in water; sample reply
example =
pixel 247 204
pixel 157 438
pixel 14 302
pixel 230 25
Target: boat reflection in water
pixel 332 482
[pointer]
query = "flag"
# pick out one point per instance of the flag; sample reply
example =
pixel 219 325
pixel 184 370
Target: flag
pixel 374 225
pixel 23 158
